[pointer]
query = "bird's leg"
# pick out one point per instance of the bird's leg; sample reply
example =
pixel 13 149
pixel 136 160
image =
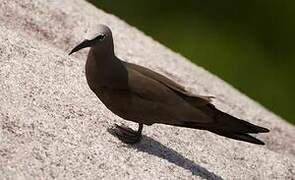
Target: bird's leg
pixel 126 134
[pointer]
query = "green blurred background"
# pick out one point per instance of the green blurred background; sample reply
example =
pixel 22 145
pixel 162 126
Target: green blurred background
pixel 248 43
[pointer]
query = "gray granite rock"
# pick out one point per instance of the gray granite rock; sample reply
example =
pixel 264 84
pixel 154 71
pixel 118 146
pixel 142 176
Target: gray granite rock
pixel 53 126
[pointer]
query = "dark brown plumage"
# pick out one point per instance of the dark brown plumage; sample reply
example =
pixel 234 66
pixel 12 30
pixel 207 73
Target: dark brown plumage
pixel 138 94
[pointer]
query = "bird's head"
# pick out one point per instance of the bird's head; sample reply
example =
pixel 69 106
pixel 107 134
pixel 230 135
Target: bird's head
pixel 101 41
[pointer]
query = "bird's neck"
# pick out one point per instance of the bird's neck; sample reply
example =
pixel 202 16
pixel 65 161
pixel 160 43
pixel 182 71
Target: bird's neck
pixel 104 59
pixel 105 70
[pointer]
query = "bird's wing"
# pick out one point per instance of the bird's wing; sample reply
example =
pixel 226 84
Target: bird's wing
pixel 150 101
pixel 148 88
pixel 177 88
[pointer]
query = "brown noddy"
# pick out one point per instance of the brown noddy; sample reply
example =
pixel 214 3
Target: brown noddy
pixel 141 95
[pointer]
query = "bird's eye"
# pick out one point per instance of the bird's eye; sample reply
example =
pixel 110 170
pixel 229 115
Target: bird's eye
pixel 101 37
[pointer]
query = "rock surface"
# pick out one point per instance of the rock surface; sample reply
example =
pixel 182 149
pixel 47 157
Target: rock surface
pixel 53 126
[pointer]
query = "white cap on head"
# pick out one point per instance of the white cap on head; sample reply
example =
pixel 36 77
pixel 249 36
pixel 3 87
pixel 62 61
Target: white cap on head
pixel 98 30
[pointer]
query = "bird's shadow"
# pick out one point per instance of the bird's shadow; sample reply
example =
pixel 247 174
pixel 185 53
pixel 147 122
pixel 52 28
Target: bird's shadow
pixel 153 147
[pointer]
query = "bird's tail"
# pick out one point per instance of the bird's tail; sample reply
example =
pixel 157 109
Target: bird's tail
pixel 241 137
pixel 228 126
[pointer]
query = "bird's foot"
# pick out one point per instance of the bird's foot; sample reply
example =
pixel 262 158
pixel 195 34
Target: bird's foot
pixel 125 134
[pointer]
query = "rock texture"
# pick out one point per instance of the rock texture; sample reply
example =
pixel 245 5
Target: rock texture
pixel 53 126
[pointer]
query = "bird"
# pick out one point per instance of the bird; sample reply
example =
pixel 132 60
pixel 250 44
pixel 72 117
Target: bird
pixel 141 95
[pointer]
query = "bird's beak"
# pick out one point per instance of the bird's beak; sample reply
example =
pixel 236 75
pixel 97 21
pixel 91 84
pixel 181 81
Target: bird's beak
pixel 84 44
